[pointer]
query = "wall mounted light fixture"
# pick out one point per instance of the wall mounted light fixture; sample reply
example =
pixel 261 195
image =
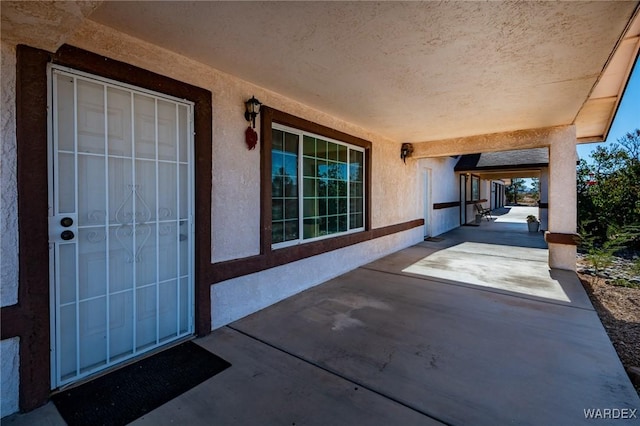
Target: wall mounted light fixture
pixel 252 108
pixel 406 151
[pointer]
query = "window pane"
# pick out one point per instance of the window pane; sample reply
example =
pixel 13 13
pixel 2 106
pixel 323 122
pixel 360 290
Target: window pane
pixel 356 221
pixel 277 209
pixel 309 167
pixel 277 163
pixel 332 224
pixel 311 207
pixel 309 146
pixel 276 186
pixel 311 228
pixel 290 187
pixel 332 151
pixel 291 208
pixel 322 226
pixel 277 232
pixel 291 230
pixel 277 137
pixel 284 187
pixel 322 207
pixel 342 188
pixel 332 187
pixel 322 187
pixel 310 187
pixel 321 148
pixel 342 223
pixel 342 153
pixel 323 169
pixel 291 143
pixel 342 205
pixel 291 165
pixel 475 188
pixel 356 165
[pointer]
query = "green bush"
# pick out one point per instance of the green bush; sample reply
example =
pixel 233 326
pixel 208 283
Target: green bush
pixel 609 197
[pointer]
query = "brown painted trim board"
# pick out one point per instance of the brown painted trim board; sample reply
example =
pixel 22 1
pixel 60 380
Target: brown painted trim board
pixel 249 265
pixel 439 206
pixel 560 238
pixel 469 202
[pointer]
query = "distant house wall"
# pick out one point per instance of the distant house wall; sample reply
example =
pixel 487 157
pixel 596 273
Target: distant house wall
pixel 444 190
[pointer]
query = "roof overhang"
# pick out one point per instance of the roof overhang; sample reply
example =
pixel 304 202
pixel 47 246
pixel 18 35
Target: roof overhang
pixel 522 163
pixel 594 120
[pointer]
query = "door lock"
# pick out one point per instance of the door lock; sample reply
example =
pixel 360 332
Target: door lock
pixel 63 227
pixel 67 235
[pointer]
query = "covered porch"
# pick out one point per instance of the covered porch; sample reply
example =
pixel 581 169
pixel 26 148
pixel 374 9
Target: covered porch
pixel 473 328
pixel 87 85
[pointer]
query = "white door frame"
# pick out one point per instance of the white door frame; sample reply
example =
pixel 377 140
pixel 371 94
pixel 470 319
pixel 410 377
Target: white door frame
pixel 427 205
pixel 463 198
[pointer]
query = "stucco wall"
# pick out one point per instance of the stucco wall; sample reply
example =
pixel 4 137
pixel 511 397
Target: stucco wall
pixel 8 190
pixel 236 171
pixel 444 189
pixel 9 367
pixel 236 298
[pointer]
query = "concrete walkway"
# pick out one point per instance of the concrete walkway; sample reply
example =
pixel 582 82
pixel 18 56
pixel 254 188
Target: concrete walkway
pixel 472 329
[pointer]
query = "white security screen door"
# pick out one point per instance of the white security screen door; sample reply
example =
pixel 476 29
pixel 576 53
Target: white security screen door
pixel 120 222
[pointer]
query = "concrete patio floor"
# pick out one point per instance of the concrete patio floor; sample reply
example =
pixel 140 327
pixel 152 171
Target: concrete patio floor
pixel 473 329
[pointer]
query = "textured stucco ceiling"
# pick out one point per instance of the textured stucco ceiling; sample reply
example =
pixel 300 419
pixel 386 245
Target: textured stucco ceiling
pixel 413 71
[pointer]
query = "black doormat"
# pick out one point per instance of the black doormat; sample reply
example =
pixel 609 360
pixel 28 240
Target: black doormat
pixel 124 395
pixel 434 239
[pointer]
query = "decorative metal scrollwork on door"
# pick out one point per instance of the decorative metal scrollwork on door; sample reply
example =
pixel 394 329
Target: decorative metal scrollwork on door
pixel 142 213
pixel 130 219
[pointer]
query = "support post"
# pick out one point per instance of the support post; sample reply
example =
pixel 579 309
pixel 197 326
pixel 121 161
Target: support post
pixel 561 236
pixel 543 208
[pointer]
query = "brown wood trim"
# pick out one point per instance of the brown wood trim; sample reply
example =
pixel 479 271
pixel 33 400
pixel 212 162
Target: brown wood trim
pixel 505 167
pixel 438 206
pixel 33 234
pixel 469 202
pixel 30 319
pixel 560 238
pixel 543 205
pixel 239 267
pixel 290 120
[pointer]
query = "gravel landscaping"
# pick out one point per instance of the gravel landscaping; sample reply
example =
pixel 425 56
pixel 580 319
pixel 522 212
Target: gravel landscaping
pixel 615 294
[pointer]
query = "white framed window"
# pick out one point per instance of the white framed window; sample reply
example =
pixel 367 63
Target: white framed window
pixel 317 187
pixel 475 188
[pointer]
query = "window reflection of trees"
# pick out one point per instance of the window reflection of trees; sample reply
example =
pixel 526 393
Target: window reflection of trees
pixel 332 192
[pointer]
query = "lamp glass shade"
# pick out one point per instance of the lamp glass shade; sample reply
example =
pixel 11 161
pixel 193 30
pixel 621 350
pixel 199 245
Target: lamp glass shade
pixel 253 105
